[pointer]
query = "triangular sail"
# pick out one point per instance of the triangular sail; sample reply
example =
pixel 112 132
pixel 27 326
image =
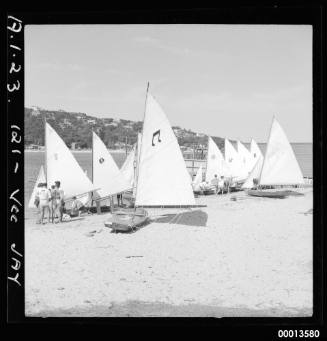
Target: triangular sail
pixel 198 177
pixel 254 174
pixel 216 164
pixel 245 155
pixel 163 179
pixel 238 172
pixel 40 179
pixel 106 174
pixel 62 166
pixel 255 151
pixel 280 166
pixel 127 168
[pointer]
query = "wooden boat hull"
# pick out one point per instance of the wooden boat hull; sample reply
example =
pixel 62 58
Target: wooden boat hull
pixel 127 220
pixel 268 194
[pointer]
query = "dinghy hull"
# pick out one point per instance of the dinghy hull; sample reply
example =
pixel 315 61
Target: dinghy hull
pixel 127 220
pixel 268 194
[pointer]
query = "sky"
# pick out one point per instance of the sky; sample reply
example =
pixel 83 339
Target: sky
pixel 220 80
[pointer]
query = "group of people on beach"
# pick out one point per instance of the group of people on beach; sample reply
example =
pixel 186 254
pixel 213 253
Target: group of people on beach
pixel 220 185
pixel 49 201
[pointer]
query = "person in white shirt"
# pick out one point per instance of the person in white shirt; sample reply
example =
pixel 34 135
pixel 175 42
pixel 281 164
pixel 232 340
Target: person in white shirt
pixel 221 185
pixel 44 197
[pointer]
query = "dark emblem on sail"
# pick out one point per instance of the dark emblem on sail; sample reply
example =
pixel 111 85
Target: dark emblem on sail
pixel 157 133
pixel 55 156
pixel 101 160
pixel 255 155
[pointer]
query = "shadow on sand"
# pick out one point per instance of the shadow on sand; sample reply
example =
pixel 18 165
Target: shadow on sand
pixel 192 218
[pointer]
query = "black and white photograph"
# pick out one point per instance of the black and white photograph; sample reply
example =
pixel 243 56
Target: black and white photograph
pixel 168 170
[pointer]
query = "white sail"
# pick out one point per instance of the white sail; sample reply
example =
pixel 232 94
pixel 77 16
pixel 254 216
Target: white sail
pixel 40 178
pixel 137 161
pixel 163 179
pixel 255 152
pixel 127 168
pixel 216 164
pixel 280 166
pixel 233 160
pixel 254 174
pixel 198 178
pixel 245 155
pixel 62 166
pixel 106 174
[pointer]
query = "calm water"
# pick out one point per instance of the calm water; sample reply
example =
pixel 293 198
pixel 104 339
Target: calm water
pixel 34 160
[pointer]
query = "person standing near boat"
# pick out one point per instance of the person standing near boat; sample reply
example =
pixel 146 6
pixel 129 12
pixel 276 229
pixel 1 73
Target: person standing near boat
pixel 214 182
pixel 37 203
pixel 59 200
pixel 221 184
pixel 44 201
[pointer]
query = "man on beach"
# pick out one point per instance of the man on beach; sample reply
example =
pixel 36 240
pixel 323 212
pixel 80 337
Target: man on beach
pixel 59 200
pixel 214 182
pixel 221 184
pixel 44 197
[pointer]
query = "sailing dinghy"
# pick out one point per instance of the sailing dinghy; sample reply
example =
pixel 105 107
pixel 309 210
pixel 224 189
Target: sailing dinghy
pixel 216 165
pixel 246 157
pixel 162 179
pixel 279 167
pixel 40 179
pixel 197 180
pixel 106 174
pixel 61 165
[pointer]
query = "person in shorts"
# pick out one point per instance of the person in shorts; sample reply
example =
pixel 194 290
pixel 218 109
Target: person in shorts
pixel 44 201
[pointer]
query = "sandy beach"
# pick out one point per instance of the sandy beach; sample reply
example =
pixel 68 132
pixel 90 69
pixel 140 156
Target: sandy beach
pixel 244 257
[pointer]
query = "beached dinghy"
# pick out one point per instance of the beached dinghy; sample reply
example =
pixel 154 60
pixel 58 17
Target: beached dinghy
pixel 279 167
pixel 127 220
pixel 162 179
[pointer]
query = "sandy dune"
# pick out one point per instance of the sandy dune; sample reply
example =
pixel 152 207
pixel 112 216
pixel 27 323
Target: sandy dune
pixel 249 257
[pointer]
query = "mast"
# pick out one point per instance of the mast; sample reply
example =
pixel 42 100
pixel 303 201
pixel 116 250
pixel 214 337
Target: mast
pixel 45 149
pixel 264 159
pixel 139 153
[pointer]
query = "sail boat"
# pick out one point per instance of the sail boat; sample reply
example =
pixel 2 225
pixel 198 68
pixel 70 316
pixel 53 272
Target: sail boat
pixel 254 174
pixel 255 152
pixel 280 166
pixel 233 159
pixel 162 179
pixel 216 164
pixel 245 156
pixel 60 165
pixel 106 174
pixel 129 167
pixel 40 179
pixel 197 180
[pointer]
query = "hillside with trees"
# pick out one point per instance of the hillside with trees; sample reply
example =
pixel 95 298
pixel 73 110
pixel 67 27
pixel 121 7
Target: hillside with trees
pixel 115 133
